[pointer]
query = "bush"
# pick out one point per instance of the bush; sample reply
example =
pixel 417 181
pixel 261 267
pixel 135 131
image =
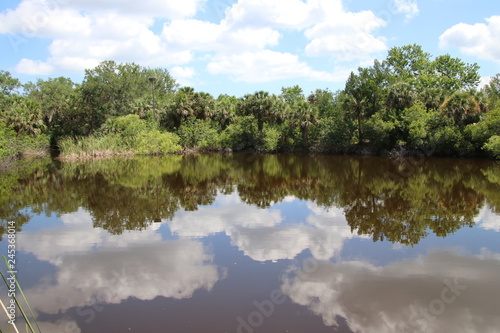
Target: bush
pixel 415 122
pixel 197 133
pixel 241 134
pixel 489 125
pixel 271 139
pixel 379 132
pixel 493 146
pixel 12 145
pixel 121 136
pixel 155 142
pixel 334 134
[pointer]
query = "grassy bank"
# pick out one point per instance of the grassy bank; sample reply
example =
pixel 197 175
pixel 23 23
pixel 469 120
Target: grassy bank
pixel 120 136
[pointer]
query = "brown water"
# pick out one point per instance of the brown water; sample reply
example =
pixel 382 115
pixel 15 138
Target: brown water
pixel 257 243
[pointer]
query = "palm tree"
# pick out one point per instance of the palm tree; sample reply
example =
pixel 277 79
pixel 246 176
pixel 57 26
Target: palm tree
pixel 356 106
pixel 462 106
pixel 259 105
pixel 304 115
pixel 400 95
pixel 26 117
pixel 225 110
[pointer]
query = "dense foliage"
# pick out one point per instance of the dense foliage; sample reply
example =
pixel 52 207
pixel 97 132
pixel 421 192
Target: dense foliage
pixel 407 103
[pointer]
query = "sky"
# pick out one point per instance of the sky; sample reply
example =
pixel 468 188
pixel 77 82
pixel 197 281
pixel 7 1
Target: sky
pixel 237 47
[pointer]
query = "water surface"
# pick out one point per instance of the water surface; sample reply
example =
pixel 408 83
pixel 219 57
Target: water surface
pixel 257 243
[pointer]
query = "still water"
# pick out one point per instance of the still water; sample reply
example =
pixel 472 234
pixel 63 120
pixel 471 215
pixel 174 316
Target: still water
pixel 257 243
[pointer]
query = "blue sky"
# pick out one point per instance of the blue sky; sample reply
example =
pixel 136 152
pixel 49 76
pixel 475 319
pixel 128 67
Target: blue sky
pixel 241 46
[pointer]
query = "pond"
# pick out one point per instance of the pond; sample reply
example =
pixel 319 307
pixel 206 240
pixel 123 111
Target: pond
pixel 256 243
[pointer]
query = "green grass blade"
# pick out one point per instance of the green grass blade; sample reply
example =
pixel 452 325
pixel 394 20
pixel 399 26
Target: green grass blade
pixel 18 304
pixel 24 297
pixel 7 313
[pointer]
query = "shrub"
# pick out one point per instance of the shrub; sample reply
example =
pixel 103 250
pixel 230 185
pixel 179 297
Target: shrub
pixel 155 142
pixel 334 134
pixel 270 139
pixel 493 146
pixel 198 133
pixel 241 134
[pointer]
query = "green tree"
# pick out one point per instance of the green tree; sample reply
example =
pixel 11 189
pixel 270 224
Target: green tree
pixel 110 89
pixel 492 90
pixel 462 107
pixel 56 97
pixel 225 110
pixel 364 96
pixel 26 117
pixel 260 105
pixel 452 74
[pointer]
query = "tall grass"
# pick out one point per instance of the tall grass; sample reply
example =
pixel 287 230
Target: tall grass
pixel 127 135
pixel 92 146
pixel 20 307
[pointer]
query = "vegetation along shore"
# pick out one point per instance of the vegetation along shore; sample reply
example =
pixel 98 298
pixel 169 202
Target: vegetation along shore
pixel 408 102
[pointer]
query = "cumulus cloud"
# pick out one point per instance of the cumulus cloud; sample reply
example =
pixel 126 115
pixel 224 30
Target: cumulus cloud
pixel 481 39
pixel 82 33
pixel 407 7
pixel 205 36
pixel 267 65
pixel 346 36
pixel 413 295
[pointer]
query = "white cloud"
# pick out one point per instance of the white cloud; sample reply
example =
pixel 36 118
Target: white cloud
pixel 480 39
pixel 205 36
pixel 346 37
pixel 266 65
pixel 233 215
pixel 34 19
pixel 290 14
pixel 407 7
pixel 405 296
pixel 86 32
pixel 487 219
pixel 170 9
pixel 33 67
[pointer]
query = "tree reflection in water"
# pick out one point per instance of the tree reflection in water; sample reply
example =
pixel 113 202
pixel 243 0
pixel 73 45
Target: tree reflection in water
pixel 438 196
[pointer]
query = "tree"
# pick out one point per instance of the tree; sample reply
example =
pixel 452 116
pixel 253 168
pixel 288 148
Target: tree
pixel 8 84
pixel 109 89
pixel 400 95
pixel 364 96
pixel 259 105
pixel 55 97
pixel 462 107
pixel 304 115
pixel 452 74
pixel 406 63
pixel 225 110
pixel 292 95
pixel 8 87
pixel 492 90
pixel 188 103
pixel 25 116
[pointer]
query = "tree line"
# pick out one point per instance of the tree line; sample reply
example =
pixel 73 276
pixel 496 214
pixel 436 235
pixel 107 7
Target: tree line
pixel 409 102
